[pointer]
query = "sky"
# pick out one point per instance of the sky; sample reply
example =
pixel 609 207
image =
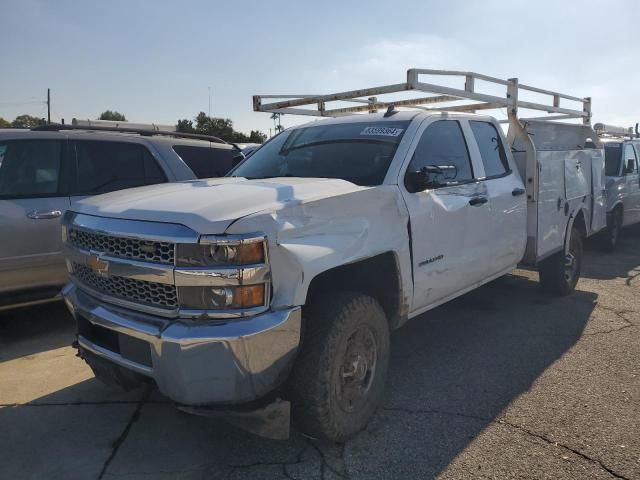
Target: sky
pixel 155 61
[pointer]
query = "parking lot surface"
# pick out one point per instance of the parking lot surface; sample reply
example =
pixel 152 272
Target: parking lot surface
pixel 505 382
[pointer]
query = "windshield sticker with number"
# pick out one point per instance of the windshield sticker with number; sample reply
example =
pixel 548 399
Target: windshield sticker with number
pixel 382 131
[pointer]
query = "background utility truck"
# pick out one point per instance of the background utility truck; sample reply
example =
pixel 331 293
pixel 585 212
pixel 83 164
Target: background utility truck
pixel 277 287
pixel 622 169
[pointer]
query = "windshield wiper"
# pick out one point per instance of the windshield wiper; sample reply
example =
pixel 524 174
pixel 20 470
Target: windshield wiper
pixel 267 176
pixel 285 151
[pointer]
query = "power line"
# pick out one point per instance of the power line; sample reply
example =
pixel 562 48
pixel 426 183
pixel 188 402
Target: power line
pixel 29 102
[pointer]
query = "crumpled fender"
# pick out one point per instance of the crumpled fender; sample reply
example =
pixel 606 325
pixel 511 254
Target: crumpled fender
pixel 309 238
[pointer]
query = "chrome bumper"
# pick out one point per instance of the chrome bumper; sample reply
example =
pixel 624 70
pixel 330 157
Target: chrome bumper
pixel 193 362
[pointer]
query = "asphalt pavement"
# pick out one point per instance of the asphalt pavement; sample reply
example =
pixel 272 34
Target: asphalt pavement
pixel 505 382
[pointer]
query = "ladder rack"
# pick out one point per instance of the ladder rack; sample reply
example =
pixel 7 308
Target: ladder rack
pixel 442 98
pixel 611 131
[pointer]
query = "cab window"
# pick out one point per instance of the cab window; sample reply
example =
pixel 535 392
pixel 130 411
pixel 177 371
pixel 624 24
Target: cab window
pixel 443 145
pixel 491 149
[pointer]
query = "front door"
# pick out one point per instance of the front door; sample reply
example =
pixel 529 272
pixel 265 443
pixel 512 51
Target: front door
pixel 33 198
pixel 448 221
pixel 632 188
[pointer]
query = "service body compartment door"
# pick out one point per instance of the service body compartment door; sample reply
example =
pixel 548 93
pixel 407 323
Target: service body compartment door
pixel 577 174
pixel 551 201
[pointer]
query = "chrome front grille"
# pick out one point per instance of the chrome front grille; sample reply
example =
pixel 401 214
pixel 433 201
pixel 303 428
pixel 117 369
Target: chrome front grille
pixel 148 293
pixel 143 250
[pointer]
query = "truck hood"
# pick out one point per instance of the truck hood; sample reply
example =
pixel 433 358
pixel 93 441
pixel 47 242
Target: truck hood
pixel 210 206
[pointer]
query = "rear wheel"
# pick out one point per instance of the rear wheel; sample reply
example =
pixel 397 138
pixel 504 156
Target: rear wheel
pixel 560 273
pixel 609 238
pixel 338 379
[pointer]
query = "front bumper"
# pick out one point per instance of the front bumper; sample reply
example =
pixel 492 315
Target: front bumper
pixel 192 362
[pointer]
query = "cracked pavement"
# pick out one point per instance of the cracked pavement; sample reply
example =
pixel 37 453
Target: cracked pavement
pixel 505 382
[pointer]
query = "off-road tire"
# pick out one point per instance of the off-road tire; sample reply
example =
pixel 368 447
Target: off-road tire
pixel 609 238
pixel 314 387
pixel 553 270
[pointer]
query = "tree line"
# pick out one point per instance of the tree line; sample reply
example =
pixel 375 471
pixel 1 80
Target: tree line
pixel 201 124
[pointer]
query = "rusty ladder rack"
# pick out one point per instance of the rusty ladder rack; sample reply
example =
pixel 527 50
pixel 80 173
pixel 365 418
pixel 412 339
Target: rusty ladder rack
pixel 442 97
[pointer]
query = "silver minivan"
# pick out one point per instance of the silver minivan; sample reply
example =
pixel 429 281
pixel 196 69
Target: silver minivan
pixel 45 170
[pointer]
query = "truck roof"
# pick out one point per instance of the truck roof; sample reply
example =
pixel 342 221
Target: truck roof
pixel 398 115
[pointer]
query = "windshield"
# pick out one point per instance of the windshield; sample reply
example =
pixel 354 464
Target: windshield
pixel 612 156
pixel 357 152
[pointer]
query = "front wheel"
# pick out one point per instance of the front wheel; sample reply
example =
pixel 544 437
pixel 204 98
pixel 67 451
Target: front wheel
pixel 338 379
pixel 560 273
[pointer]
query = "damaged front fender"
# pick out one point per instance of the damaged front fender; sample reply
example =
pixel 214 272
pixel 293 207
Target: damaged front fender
pixel 307 238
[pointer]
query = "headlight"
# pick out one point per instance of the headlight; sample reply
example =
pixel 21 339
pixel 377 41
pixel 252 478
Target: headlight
pixel 212 251
pixel 215 298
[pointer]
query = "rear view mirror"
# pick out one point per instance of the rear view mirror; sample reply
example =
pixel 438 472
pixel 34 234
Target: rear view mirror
pixel 629 167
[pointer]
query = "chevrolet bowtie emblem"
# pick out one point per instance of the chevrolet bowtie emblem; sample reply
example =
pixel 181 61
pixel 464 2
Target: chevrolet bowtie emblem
pixel 95 263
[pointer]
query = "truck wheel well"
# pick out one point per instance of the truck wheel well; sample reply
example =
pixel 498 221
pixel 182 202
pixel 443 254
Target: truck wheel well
pixel 580 224
pixel 376 276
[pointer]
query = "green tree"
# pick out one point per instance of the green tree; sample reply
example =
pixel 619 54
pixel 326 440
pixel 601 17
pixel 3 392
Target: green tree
pixel 256 136
pixel 218 127
pixel 185 126
pixel 112 115
pixel 4 123
pixel 27 121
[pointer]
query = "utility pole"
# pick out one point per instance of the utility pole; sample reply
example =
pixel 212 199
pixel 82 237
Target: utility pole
pixel 48 105
pixel 209 101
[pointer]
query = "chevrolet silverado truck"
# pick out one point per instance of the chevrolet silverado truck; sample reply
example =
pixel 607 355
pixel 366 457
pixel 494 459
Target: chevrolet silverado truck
pixel 280 284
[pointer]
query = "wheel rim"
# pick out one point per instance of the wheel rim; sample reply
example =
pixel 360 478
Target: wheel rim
pixel 358 369
pixel 571 263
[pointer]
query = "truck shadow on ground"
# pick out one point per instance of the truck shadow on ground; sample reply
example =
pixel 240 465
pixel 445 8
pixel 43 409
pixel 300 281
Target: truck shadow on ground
pixel 456 368
pixel 30 330
pixel 453 371
pixel 623 263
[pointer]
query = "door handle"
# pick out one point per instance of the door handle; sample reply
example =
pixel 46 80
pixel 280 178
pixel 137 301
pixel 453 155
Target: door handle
pixel 44 215
pixel 517 192
pixel 477 201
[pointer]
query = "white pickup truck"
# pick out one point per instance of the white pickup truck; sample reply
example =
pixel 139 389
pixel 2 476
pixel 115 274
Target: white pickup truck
pixel 281 283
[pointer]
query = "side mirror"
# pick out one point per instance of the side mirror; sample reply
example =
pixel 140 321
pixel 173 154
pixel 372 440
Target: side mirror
pixel 629 167
pixel 417 181
pixel 420 180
